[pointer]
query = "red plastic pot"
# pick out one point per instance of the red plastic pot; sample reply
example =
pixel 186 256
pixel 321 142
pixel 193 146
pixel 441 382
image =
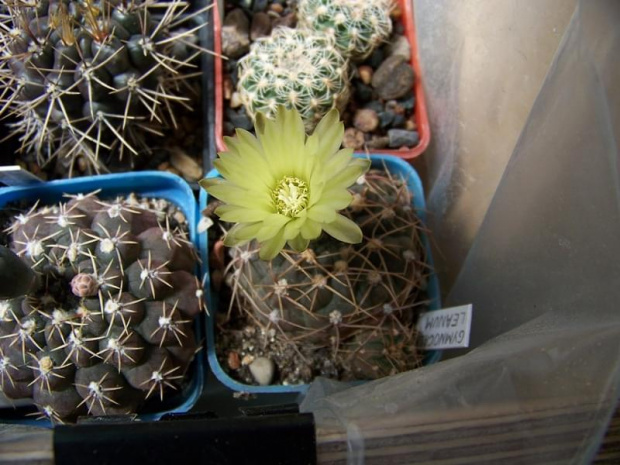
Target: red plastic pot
pixel 420 117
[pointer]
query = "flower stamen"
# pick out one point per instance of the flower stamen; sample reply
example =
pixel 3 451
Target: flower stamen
pixel 290 196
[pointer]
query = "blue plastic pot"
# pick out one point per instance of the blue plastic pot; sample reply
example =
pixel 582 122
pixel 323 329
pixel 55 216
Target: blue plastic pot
pixel 153 184
pixel 396 167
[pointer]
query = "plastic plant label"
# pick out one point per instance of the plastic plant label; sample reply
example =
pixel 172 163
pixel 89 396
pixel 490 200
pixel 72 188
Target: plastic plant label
pixel 448 328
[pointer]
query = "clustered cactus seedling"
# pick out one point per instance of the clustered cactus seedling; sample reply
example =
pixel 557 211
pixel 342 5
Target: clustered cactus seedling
pixel 108 323
pixel 297 68
pixel 357 26
pixel 93 79
pixel 356 300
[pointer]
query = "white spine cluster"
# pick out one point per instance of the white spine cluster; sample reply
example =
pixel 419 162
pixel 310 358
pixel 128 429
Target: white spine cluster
pixel 295 68
pixel 357 26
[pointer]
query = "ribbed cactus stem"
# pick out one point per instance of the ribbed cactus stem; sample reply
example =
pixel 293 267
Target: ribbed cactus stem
pixel 297 69
pixel 357 26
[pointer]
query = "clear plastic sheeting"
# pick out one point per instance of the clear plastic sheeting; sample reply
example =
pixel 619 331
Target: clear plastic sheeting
pixel 543 275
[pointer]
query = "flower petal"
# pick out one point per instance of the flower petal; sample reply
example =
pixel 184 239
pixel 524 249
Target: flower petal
pixel 241 233
pixel 336 199
pixel 237 214
pixel 328 136
pixel 272 247
pixel 293 228
pixel 349 175
pixel 339 161
pixel 272 225
pixel 298 244
pixel 282 140
pixel 310 229
pixel 322 213
pixel 344 230
pixel 232 194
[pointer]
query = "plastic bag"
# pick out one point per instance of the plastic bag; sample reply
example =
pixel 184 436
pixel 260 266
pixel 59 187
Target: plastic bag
pixel 543 274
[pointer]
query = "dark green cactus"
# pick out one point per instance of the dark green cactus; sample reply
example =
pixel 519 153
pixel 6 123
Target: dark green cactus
pixel 95 79
pixel 105 326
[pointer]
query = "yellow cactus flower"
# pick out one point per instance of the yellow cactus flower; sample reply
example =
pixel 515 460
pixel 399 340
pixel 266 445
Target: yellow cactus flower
pixel 285 187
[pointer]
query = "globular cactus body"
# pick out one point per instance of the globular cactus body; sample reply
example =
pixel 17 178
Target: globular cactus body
pixel 295 68
pixel 358 302
pixel 94 79
pixel 102 329
pixel 357 26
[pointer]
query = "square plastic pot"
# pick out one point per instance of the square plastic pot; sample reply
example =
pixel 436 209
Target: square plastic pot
pixel 420 115
pixel 393 165
pixel 153 184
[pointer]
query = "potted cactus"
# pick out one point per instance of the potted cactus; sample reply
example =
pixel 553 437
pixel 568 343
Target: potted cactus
pixel 89 86
pixel 329 263
pixel 273 60
pixel 106 327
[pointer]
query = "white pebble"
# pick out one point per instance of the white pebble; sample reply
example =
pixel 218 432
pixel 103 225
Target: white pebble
pixel 262 370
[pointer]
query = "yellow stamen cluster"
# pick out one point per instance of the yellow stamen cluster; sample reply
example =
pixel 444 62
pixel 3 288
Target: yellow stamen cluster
pixel 290 196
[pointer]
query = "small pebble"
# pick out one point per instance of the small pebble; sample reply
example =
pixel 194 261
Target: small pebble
pixel 399 121
pixel 376 58
pixel 247 359
pixel 393 79
pixel 228 88
pixel 239 119
pixel 276 7
pixel 353 138
pixel 408 102
pixel 385 118
pixel 396 12
pixel 233 360
pixel 179 217
pixel 365 74
pixel 261 26
pixel 235 34
pixel 262 370
pixel 394 107
pixel 399 46
pixel 378 142
pixel 82 164
pixel 366 120
pixel 374 105
pixel 289 20
pixel 410 125
pixel 235 100
pixel 259 5
pixel 401 137
pixel 186 165
pixel 363 93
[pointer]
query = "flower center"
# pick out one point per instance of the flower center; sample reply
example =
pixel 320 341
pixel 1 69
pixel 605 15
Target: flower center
pixel 290 196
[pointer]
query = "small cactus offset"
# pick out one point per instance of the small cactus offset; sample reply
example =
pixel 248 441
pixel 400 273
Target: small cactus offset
pixel 357 26
pixel 296 68
pixel 108 323
pixel 94 80
pixel 356 302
